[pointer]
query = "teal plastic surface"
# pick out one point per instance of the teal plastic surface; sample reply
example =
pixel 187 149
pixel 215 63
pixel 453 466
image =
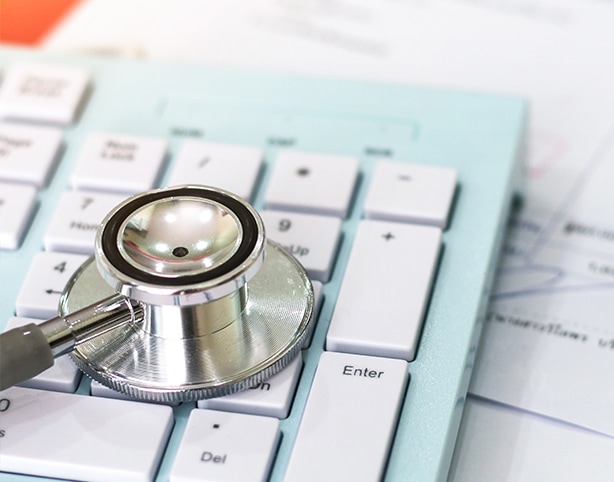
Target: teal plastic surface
pixel 479 135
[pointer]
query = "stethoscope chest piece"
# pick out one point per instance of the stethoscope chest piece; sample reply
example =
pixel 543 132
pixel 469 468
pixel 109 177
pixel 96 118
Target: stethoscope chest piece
pixel 223 307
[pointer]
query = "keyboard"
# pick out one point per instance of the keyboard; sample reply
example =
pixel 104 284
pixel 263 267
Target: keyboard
pixel 394 199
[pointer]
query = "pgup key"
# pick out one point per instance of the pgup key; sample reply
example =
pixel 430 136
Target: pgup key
pixel 312 239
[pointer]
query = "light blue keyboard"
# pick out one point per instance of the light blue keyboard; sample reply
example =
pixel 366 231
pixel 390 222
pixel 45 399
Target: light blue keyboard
pixel 394 198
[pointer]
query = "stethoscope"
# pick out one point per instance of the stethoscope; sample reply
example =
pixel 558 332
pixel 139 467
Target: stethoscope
pixel 184 299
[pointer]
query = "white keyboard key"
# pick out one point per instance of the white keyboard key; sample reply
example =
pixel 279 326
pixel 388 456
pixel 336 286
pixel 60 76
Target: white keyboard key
pixel 383 297
pixel 270 398
pixel 313 240
pixel 349 420
pixel 27 153
pixel 63 376
pixel 41 290
pixel 76 218
pixel 119 162
pixel 16 209
pixel 226 447
pixel 76 437
pixel 317 304
pixel 231 167
pixel 42 93
pixel 316 183
pixel 411 193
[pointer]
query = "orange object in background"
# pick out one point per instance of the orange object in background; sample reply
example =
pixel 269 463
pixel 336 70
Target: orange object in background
pixel 28 21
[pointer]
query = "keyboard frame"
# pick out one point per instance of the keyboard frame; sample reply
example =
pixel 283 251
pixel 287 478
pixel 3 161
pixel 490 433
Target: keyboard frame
pixel 480 135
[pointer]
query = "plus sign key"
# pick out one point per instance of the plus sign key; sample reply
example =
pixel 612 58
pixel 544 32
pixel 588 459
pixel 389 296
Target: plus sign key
pixel 383 298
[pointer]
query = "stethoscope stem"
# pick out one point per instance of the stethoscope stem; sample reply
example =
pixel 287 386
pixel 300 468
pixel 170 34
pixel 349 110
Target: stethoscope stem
pixel 29 350
pixel 64 333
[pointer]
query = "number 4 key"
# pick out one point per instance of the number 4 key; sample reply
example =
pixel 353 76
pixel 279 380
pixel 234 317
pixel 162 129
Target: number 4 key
pixel 44 283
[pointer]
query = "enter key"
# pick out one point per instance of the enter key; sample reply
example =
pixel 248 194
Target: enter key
pixel 349 420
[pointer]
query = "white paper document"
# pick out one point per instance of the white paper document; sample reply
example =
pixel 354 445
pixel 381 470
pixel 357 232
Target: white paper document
pixel 504 444
pixel 548 345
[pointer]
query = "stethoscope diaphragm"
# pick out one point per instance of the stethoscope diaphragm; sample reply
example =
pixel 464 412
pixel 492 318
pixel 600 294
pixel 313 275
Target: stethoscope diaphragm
pixel 196 302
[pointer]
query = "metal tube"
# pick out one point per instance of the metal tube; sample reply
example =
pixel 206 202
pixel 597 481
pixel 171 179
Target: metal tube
pixel 64 333
pixel 27 351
